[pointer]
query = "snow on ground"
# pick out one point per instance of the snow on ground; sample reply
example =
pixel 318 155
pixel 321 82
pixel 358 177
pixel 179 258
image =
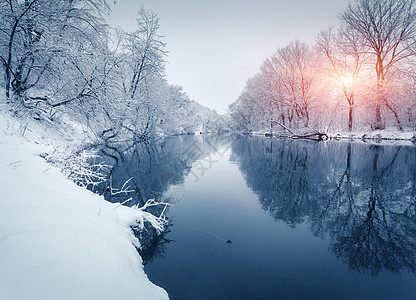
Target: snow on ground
pixel 58 240
pixel 380 137
pixel 383 137
pixel 387 134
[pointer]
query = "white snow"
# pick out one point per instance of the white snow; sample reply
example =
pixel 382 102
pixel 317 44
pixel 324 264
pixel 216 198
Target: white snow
pixel 58 240
pixel 379 137
pixel 383 137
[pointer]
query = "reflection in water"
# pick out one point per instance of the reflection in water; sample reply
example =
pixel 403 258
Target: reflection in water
pixel 153 246
pixel 154 170
pixel 361 196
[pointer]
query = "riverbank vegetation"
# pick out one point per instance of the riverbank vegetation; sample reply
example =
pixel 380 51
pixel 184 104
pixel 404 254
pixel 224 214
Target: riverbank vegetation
pixel 63 64
pixel 359 77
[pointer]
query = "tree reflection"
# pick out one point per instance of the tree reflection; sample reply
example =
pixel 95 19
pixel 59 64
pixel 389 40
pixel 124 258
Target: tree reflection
pixel 278 172
pixel 153 167
pixel 154 170
pixel 153 246
pixel 361 196
pixel 378 240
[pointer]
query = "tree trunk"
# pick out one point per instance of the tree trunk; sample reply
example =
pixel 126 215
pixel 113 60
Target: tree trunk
pixel 378 125
pixel 317 136
pixel 306 117
pixel 380 80
pixel 395 115
pixel 10 47
pixel 7 84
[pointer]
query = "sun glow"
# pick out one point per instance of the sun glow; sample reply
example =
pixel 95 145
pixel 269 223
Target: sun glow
pixel 346 80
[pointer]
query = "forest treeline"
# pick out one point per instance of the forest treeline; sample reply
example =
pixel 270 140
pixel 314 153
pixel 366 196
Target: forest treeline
pixel 61 61
pixel 358 76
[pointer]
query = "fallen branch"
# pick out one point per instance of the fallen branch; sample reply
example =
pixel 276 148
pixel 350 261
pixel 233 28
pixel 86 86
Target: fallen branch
pixel 317 136
pixel 158 223
pixel 312 136
pixel 278 123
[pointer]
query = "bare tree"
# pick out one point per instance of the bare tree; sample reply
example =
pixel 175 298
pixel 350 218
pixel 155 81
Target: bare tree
pixel 296 66
pixel 40 37
pixel 279 108
pixel 12 30
pixel 387 28
pixel 282 93
pixel 145 50
pixel 345 58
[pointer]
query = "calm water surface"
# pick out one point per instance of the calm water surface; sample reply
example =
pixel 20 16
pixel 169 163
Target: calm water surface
pixel 306 220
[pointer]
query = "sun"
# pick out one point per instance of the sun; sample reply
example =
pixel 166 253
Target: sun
pixel 346 80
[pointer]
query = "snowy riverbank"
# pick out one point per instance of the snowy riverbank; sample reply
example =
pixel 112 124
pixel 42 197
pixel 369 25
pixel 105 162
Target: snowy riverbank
pixel 58 240
pixel 383 137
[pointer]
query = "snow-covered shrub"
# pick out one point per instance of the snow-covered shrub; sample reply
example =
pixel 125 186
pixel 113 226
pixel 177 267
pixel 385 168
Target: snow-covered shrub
pixel 82 167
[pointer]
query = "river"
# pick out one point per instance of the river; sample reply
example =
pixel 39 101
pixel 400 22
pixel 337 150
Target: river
pixel 261 218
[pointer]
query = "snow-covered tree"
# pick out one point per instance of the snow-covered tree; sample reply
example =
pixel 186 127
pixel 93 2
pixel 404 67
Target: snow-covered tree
pixel 344 61
pixel 283 92
pixel 144 52
pixel 41 37
pixel 388 29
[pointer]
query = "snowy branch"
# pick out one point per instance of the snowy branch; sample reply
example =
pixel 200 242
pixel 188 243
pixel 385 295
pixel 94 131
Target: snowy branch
pixel 158 222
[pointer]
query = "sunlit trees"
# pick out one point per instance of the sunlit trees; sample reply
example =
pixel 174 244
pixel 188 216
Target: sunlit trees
pixel 255 109
pixel 369 60
pixel 295 66
pixel 387 28
pixel 284 92
pixel 344 60
pixel 278 108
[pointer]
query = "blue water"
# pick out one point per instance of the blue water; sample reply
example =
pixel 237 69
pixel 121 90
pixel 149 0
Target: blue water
pixel 306 220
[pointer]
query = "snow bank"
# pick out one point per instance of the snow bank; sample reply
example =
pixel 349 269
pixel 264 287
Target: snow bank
pixel 58 240
pixel 384 137
pixel 380 137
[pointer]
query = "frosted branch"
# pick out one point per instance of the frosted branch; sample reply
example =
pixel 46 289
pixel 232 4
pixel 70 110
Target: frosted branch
pixel 158 223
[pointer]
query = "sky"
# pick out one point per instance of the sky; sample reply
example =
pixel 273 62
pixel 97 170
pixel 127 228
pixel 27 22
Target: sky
pixel 216 45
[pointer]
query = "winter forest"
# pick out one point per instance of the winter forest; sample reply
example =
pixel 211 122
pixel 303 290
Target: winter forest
pixel 62 63
pixel 119 184
pixel 360 76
